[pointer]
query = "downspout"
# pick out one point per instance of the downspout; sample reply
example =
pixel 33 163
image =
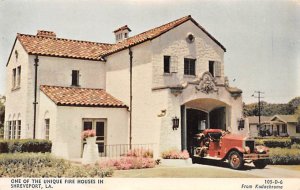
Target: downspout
pixel 130 113
pixel 36 61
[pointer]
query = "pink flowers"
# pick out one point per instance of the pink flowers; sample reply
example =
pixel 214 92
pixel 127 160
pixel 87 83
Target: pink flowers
pixel 126 163
pixel 146 153
pixel 134 159
pixel 175 154
pixel 88 133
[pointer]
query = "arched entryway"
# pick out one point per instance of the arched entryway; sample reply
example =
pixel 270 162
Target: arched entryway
pixel 200 114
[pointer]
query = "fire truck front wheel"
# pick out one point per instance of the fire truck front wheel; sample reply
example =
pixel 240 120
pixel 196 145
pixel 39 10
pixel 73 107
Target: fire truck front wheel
pixel 235 160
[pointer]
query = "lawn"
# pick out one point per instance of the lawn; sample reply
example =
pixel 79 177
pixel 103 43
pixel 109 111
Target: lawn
pixel 182 172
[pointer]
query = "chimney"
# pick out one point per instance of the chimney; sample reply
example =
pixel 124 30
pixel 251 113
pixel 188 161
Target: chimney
pixel 122 33
pixel 44 33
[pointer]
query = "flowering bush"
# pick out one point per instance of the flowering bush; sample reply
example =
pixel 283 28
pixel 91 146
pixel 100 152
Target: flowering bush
pixel 140 152
pixel 88 133
pixel 175 154
pixel 126 163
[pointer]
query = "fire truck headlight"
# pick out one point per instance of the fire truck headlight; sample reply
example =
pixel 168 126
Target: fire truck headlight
pixel 247 149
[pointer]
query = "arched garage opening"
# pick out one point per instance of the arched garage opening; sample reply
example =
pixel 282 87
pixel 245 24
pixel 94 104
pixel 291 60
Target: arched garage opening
pixel 202 114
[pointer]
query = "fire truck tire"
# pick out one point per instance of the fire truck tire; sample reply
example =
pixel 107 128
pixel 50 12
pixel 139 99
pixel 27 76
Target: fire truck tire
pixel 235 160
pixel 260 164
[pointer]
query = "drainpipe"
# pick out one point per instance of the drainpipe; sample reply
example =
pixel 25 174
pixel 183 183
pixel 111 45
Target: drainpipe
pixel 36 61
pixel 130 113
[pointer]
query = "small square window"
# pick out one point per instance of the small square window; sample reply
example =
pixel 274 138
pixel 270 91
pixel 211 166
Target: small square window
pixel 167 64
pixel 75 77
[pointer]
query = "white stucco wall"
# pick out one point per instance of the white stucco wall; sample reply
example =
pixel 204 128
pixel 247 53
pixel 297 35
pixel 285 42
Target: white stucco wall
pixel 144 110
pixel 291 129
pixel 69 125
pixel 17 99
pixel 48 110
pixel 174 44
pixel 148 74
pixel 58 72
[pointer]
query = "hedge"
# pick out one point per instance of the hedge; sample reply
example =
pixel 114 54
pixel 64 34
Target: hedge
pixel 275 142
pixel 25 145
pixel 45 165
pixel 284 156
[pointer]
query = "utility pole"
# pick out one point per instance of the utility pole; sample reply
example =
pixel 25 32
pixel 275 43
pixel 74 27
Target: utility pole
pixel 259 104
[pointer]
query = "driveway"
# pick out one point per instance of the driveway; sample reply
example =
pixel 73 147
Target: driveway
pixel 209 169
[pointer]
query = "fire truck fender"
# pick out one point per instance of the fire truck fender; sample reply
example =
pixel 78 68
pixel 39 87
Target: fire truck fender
pixel 237 149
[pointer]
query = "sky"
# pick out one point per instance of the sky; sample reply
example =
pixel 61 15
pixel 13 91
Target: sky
pixel 261 36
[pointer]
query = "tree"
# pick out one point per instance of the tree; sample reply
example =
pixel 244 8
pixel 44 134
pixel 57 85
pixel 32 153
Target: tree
pixel 2 110
pixel 268 109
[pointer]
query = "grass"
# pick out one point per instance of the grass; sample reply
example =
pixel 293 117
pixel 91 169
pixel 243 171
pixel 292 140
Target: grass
pixel 181 172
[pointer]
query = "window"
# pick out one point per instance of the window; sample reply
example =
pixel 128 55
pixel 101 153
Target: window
pixel 47 128
pixel 212 68
pixel 75 77
pixel 298 129
pixel 284 128
pixel 189 66
pixel 18 130
pixel 14 127
pixel 19 76
pixel 14 78
pixel 126 35
pixel 9 129
pixel 167 64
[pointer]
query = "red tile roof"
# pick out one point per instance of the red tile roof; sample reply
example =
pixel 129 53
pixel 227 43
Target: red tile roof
pixel 52 46
pixel 58 47
pixel 81 97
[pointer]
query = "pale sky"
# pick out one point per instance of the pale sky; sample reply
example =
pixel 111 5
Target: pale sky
pixel 262 37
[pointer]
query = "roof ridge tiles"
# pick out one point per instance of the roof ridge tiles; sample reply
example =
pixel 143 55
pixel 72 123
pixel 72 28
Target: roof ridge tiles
pixel 64 39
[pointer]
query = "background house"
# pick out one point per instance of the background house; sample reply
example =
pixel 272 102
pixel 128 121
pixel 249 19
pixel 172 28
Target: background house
pixel 277 125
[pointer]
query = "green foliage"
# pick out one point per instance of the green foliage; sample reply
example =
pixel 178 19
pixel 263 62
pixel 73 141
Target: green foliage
pixel 267 109
pixel 274 142
pixel 2 113
pixel 284 156
pixel 44 165
pixel 25 145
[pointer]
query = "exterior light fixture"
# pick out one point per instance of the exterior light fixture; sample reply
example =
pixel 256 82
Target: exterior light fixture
pixel 175 121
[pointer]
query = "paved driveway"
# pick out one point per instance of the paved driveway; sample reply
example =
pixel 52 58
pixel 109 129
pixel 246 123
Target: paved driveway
pixel 210 169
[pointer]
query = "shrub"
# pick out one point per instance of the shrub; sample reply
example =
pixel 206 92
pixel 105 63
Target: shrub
pixel 126 163
pixel 295 146
pixel 44 165
pixel 274 142
pixel 295 140
pixel 175 154
pixel 140 152
pixel 284 156
pixel 25 145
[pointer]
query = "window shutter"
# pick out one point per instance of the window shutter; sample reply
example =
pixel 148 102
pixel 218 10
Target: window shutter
pixel 174 64
pixel 218 69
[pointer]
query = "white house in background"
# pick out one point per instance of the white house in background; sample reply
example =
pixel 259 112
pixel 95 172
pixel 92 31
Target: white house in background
pixel 154 89
pixel 277 125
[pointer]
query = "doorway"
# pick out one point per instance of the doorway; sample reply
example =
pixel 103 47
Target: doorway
pixel 99 125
